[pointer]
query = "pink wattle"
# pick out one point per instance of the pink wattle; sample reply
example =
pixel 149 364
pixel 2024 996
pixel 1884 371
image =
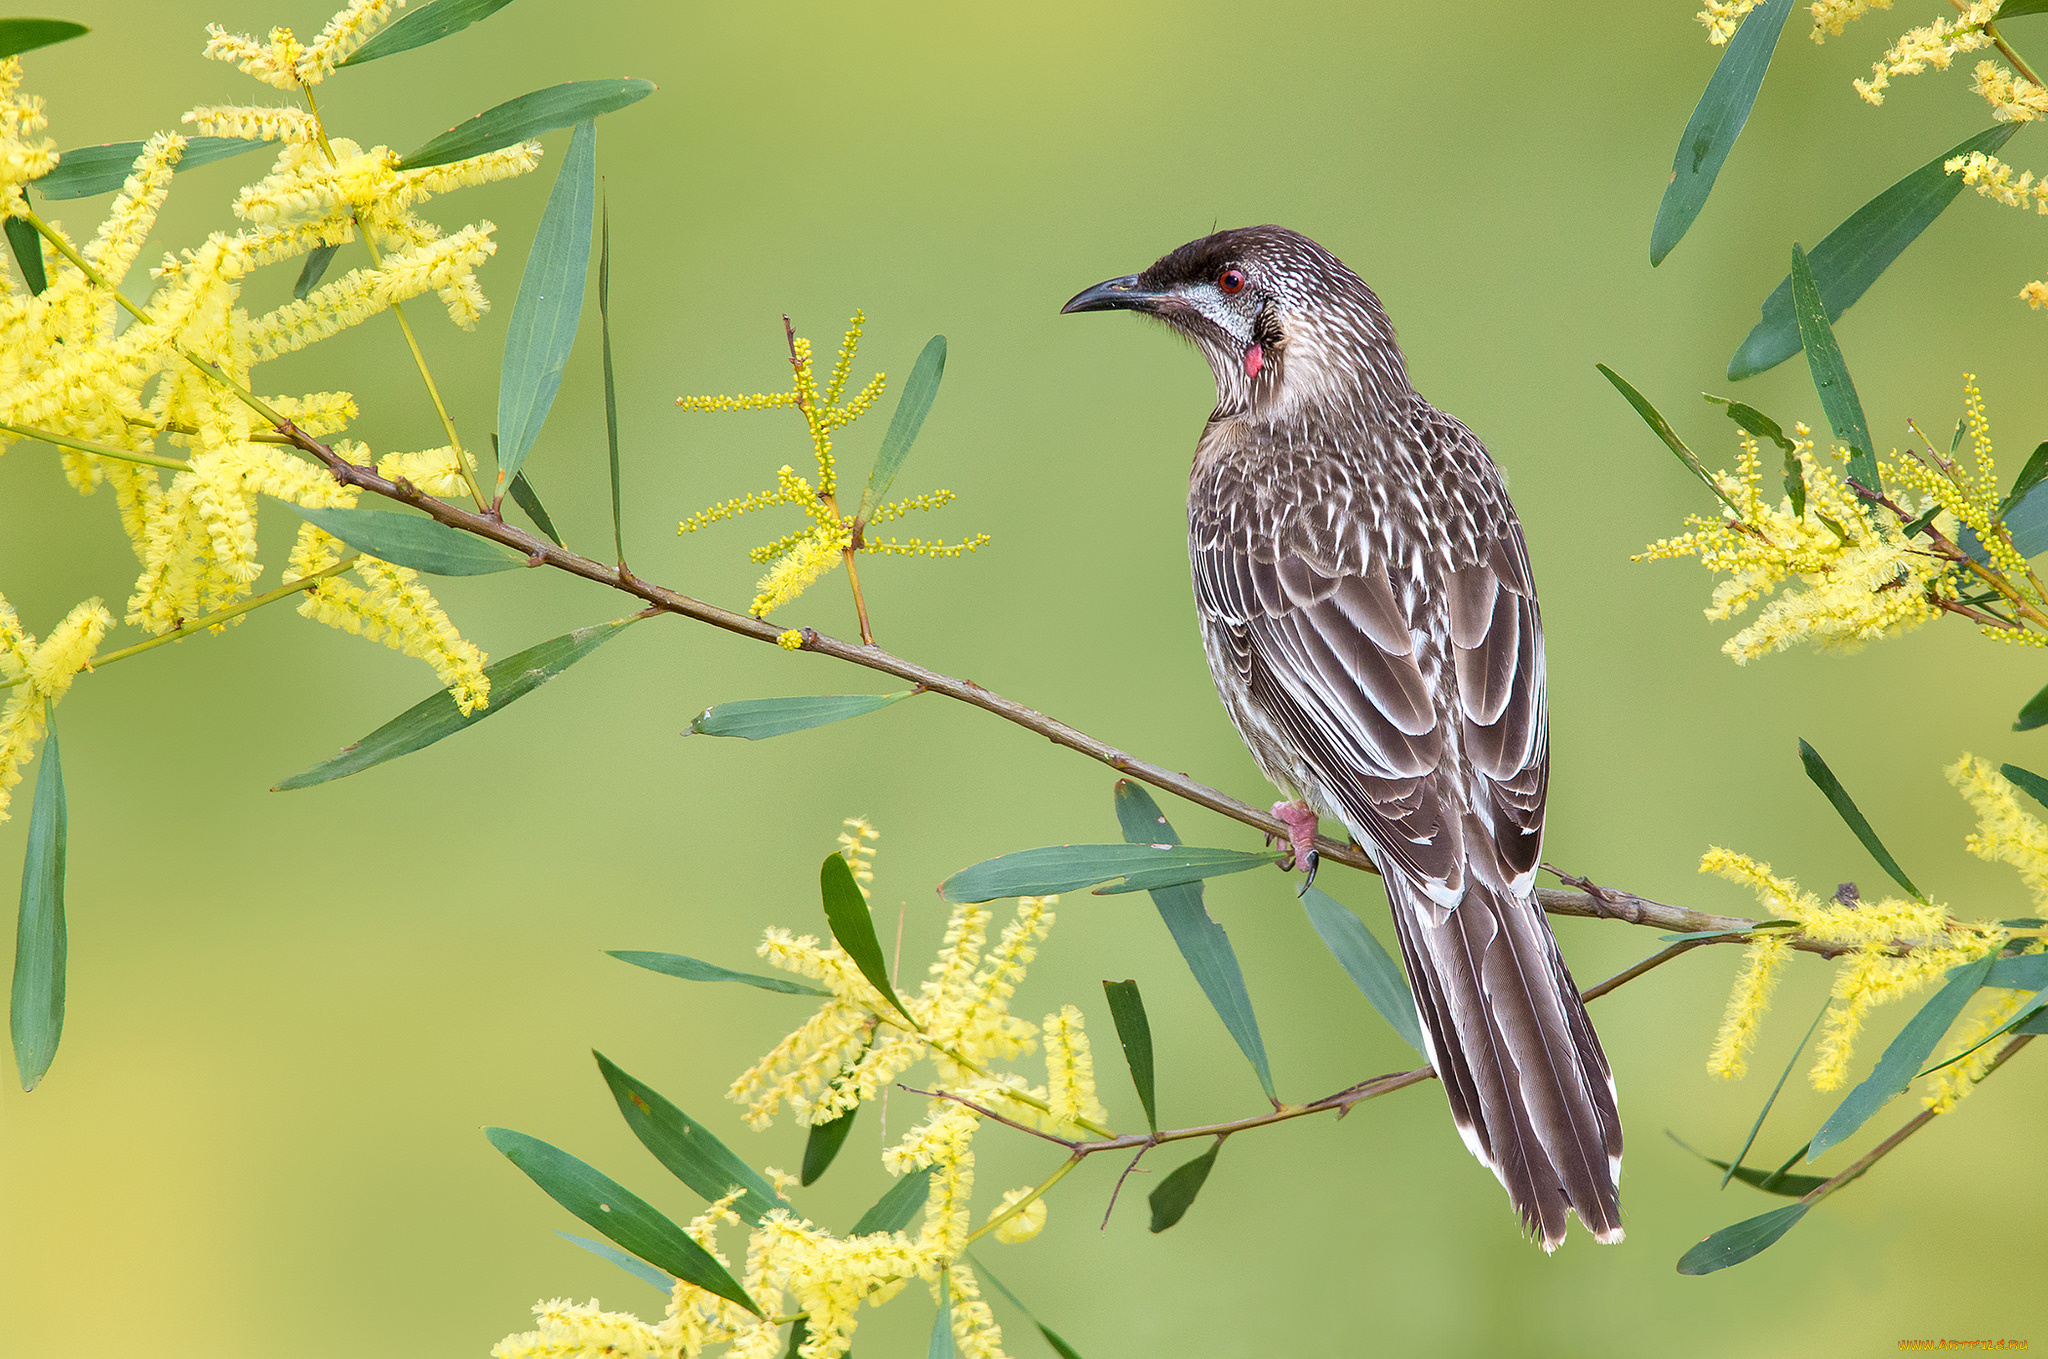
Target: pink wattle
pixel 1254 360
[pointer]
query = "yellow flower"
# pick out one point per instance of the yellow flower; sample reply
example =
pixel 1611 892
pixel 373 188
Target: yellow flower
pixel 1027 1222
pixel 2006 832
pixel 398 611
pixel 566 1328
pixel 1723 17
pixel 2012 99
pixel 39 676
pixel 1830 17
pixel 1934 45
pixel 1070 1069
pixel 1746 1005
pixel 1954 1081
pixel 1994 179
pixel 23 155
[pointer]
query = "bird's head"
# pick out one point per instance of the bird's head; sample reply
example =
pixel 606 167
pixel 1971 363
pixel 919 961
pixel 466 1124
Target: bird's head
pixel 1280 319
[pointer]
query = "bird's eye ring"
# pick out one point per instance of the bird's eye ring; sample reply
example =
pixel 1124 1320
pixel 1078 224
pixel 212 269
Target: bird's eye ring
pixel 1231 281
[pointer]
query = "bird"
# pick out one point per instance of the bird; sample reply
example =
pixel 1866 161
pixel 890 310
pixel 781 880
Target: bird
pixel 1369 615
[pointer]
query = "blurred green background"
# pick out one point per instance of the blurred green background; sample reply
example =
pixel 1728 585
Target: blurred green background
pixel 290 1014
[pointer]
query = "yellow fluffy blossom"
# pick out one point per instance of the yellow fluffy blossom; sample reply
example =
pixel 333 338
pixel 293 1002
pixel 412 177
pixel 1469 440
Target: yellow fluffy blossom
pixel 1070 1069
pixel 254 123
pixel 2035 295
pixel 975 1332
pixel 1895 948
pixel 1746 1005
pixel 1859 577
pixel 857 847
pixel 392 607
pixel 2012 98
pixel 1968 491
pixel 23 155
pixel 565 1328
pixel 1723 17
pixel 798 560
pixel 1936 45
pixel 1994 179
pixel 2006 832
pixel 1830 17
pixel 37 676
pixel 1995 1005
pixel 1025 1223
pixel 287 64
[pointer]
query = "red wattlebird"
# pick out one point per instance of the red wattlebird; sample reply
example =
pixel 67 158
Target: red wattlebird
pixel 1370 619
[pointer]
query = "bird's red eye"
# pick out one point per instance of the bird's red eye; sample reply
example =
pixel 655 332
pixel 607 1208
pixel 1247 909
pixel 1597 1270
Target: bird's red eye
pixel 1231 281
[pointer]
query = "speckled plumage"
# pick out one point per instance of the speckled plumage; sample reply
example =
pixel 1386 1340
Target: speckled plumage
pixel 1370 618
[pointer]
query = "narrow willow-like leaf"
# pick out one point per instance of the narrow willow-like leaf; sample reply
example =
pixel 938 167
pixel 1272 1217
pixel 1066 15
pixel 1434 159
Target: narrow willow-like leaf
pixel 526 498
pixel 1662 429
pixel 821 1148
pixel 437 716
pixel 611 398
pixel 1365 962
pixel 2026 522
pixel 941 1346
pixel 1068 868
pixel 1059 1346
pixel 2030 476
pixel 2025 972
pixel 1763 427
pixel 1733 1245
pixel 1831 374
pixel 2034 713
pixel 2022 1020
pixel 1735 1167
pixel 1175 1194
pixel 2027 781
pixel 1902 1060
pixel 1854 254
pixel 542 330
pixel 639 1269
pixel 695 969
pixel 529 115
pixel 1202 942
pixel 894 1210
pixel 314 269
pixel 911 409
pixel 414 541
pixel 25 35
pixel 87 170
pixel 620 1214
pixel 2013 9
pixel 428 24
pixel 1845 807
pixel 799 1336
pixel 1134 1031
pixel 1770 1181
pixel 755 719
pixel 846 911
pixel 27 245
pixel 1715 124
pixel 36 1007
pixel 689 1149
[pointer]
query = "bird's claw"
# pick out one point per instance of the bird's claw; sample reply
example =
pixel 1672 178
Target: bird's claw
pixel 1309 881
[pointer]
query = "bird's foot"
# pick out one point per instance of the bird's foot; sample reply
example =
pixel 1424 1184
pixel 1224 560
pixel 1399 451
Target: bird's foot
pixel 1300 820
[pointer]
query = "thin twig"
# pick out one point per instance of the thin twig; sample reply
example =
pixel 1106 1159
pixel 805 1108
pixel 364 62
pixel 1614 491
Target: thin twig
pixel 1110 1207
pixel 987 1112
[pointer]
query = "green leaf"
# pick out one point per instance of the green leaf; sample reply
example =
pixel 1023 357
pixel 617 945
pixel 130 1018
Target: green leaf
pixel 2034 713
pixel 1763 427
pixel 821 1148
pixel 2026 522
pixel 619 1213
pixel 1134 1031
pixel 1902 1060
pixel 86 170
pixel 317 260
pixel 604 1250
pixel 799 1335
pixel 437 716
pixel 1852 256
pixel 2013 9
pixel 529 115
pixel 1662 429
pixel 543 326
pixel 2025 972
pixel 428 24
pixel 846 911
pixel 25 35
pixel 1068 868
pixel 942 1327
pixel 1733 1245
pixel 1060 1347
pixel 1366 962
pixel 894 1210
pixel 1845 807
pixel 27 244
pixel 414 541
pixel 2027 781
pixel 524 496
pixel 2030 476
pixel 1202 942
pixel 611 398
pixel 2021 1019
pixel 1831 375
pixel 689 1150
pixel 693 969
pixel 1175 1194
pixel 1770 1181
pixel 911 409
pixel 1736 1167
pixel 36 1013
pixel 1715 124
pixel 755 719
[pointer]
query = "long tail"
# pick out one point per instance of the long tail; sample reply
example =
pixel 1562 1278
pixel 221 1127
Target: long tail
pixel 1529 1087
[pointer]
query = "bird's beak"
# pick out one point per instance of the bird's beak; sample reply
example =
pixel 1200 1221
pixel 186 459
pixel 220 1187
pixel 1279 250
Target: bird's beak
pixel 1128 293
